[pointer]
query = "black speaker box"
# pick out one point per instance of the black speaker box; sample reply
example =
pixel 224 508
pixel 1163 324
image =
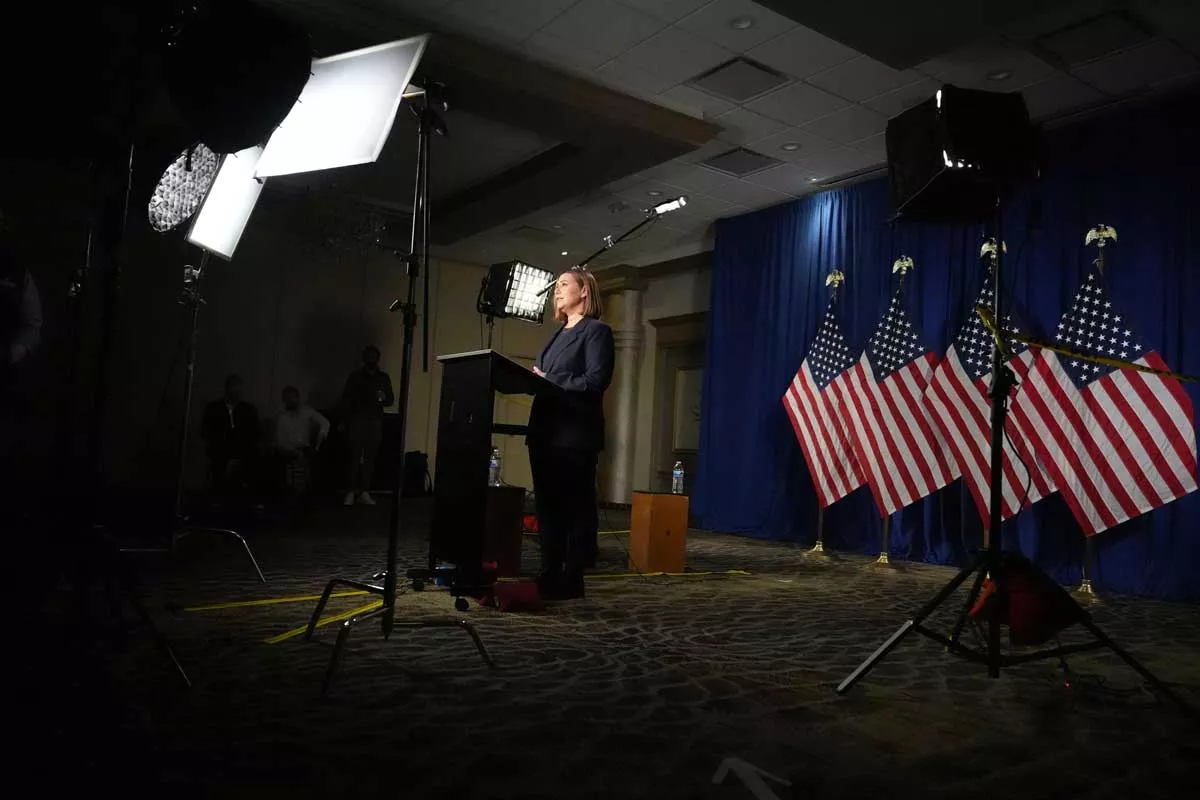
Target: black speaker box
pixel 949 156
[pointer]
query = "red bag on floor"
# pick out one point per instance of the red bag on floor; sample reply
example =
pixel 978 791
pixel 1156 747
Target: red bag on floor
pixel 1036 607
pixel 514 596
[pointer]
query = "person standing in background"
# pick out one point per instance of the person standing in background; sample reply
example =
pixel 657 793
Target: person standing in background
pixel 230 429
pixel 300 430
pixel 367 393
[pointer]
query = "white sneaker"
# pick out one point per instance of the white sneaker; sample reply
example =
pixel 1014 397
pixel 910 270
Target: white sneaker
pixel 349 501
pixel 365 499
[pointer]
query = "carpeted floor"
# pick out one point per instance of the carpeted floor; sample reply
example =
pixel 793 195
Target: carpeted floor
pixel 642 689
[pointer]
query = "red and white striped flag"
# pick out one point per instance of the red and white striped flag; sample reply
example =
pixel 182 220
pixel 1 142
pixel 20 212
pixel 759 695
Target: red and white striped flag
pixel 1116 442
pixel 811 402
pixel 960 408
pixel 885 416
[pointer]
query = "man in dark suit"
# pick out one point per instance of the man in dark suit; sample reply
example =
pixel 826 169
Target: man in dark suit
pixel 230 430
pixel 566 433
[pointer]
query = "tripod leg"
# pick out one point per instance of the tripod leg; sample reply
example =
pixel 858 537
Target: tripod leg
pixel 1150 678
pixel 483 653
pixel 893 640
pixel 961 621
pixel 336 659
pixel 316 615
pixel 183 533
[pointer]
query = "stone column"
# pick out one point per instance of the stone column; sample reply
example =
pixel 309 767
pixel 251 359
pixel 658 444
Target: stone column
pixel 621 289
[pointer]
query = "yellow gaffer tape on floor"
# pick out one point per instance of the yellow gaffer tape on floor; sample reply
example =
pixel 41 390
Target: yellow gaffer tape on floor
pixel 737 572
pixel 271 601
pixel 294 632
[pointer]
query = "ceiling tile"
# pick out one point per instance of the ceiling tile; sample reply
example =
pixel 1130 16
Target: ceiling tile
pixel 675 56
pixel 874 147
pixel 801 52
pixel 1138 68
pixel 835 162
pixel 628 78
pixel 704 206
pixel 554 50
pixel 603 26
pixel 897 101
pixel 695 178
pixel 848 125
pixel 1058 94
pixel 694 102
pixel 1092 39
pixel 797 104
pixel 773 145
pixel 740 126
pixel 640 194
pixel 713 22
pixel 970 67
pixel 787 178
pixel 752 195
pixel 862 77
pixel 512 20
pixel 669 10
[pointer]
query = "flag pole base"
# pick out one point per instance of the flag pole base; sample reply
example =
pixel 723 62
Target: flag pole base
pixel 1086 593
pixel 818 553
pixel 884 564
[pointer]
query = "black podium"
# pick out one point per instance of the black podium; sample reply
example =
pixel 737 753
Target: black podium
pixel 472 521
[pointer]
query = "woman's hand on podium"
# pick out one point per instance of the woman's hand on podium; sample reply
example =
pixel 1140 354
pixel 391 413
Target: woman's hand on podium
pixel 538 372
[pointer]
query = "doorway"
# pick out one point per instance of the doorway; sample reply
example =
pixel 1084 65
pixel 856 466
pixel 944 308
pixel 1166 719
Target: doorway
pixel 679 374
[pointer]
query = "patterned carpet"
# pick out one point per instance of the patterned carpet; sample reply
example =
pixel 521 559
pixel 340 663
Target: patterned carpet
pixel 640 690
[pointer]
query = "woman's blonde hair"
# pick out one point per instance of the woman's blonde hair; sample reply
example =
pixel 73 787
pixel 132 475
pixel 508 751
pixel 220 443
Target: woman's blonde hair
pixel 592 306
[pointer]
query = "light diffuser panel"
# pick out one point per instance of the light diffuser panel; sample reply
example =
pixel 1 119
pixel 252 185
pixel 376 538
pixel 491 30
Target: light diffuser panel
pixel 222 219
pixel 346 111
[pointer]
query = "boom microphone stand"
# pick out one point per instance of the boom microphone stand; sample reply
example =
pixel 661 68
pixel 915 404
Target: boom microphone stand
pixel 428 123
pixel 993 562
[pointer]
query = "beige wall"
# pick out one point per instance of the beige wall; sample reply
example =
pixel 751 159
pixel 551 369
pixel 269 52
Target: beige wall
pixel 295 306
pixel 669 296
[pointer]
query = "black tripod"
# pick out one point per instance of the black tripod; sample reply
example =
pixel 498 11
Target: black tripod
pixel 993 562
pixel 192 299
pixel 428 123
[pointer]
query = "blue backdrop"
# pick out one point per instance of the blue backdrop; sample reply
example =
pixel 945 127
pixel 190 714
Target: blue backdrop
pixel 1137 171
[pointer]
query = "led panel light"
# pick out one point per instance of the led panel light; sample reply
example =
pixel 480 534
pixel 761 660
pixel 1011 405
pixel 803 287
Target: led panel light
pixel 222 219
pixel 514 289
pixel 346 111
pixel 182 187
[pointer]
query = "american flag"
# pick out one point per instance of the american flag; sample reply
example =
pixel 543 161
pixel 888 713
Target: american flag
pixel 812 404
pixel 885 415
pixel 1116 442
pixel 960 407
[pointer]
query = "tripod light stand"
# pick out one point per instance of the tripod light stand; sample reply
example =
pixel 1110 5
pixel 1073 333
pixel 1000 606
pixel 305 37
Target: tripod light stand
pixel 988 183
pixel 429 122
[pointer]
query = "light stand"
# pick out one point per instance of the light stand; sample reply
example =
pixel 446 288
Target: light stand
pixel 428 123
pixel 993 563
pixel 191 299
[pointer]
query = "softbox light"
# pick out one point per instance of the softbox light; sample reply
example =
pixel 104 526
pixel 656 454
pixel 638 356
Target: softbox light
pixel 948 156
pixel 346 111
pixel 514 289
pixel 222 219
pixel 234 69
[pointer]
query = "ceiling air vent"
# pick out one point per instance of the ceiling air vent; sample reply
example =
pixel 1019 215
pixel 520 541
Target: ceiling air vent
pixel 535 234
pixel 740 162
pixel 739 80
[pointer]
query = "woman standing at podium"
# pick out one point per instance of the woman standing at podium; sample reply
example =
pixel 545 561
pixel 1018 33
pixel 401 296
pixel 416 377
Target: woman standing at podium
pixel 566 433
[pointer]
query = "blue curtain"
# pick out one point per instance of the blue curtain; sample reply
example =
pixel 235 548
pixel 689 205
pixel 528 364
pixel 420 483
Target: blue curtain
pixel 1136 171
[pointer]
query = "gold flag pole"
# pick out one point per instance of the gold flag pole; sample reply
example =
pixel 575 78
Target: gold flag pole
pixel 900 266
pixel 990 249
pixel 818 552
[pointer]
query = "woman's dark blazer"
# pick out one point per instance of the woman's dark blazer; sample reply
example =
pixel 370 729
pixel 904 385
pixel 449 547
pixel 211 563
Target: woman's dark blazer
pixel 574 417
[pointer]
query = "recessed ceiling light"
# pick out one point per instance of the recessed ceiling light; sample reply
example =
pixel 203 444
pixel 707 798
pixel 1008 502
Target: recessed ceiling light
pixel 813 180
pixel 563 253
pixel 741 23
pixel 654 193
pixel 557 227
pixel 789 146
pixel 999 75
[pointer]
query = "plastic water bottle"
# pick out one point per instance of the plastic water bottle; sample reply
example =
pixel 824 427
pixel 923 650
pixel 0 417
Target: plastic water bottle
pixel 494 468
pixel 677 478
